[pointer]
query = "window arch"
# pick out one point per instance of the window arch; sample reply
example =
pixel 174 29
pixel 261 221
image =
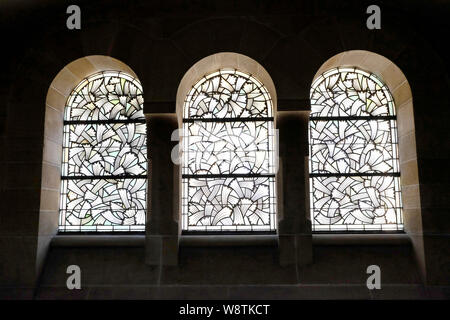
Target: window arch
pixel 104 162
pixel 353 147
pixel 228 173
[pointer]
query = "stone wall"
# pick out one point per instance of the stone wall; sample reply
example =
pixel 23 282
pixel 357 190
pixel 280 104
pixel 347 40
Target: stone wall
pixel 160 43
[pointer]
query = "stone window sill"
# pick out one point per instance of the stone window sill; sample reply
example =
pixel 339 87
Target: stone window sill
pixel 361 239
pixel 97 240
pixel 228 240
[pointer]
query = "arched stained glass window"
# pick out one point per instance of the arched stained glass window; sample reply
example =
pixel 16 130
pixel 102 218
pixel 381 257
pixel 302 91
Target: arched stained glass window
pixel 104 163
pixel 228 174
pixel 354 166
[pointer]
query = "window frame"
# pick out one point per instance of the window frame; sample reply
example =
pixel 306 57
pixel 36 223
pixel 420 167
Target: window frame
pixel 269 120
pixel 393 134
pixel 65 178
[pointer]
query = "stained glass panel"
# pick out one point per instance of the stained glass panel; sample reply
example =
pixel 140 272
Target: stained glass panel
pixel 228 155
pixel 104 162
pixel 353 146
pixel 228 147
pixel 345 92
pixel 356 203
pixel 228 94
pixel 354 166
pixel 229 204
pixel 103 205
pixel 106 96
pixel 104 149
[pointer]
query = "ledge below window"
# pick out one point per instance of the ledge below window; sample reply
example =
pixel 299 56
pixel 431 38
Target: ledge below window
pixel 362 239
pixel 228 240
pixel 98 240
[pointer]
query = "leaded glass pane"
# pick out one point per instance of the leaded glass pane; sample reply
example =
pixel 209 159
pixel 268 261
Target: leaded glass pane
pixel 228 147
pixel 344 92
pixel 354 166
pixel 104 149
pixel 357 201
pixel 353 146
pixel 103 205
pixel 106 96
pixel 228 94
pixel 104 162
pixel 229 204
pixel 228 155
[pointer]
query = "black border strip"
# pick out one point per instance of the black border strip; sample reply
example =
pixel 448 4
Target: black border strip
pixel 352 118
pixel 248 119
pixel 69 122
pixel 123 176
pixel 356 174
pixel 230 175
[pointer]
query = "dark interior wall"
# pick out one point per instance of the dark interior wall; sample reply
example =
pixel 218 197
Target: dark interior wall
pixel 161 40
pixel 238 272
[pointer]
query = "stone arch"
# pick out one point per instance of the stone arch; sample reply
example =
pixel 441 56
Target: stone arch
pixel 208 65
pixel 60 88
pixel 400 89
pixel 218 61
